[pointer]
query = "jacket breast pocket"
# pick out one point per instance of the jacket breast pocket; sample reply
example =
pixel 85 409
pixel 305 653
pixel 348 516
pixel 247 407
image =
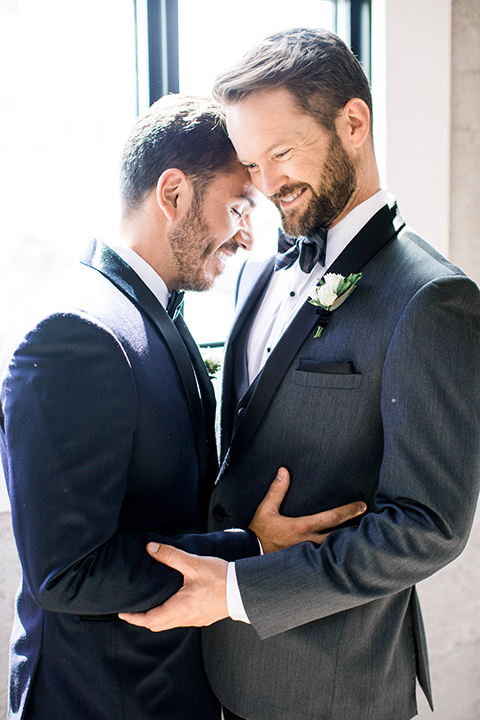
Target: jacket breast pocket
pixel 313 373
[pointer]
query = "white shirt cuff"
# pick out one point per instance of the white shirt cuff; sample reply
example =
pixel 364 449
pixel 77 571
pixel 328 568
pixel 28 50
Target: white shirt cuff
pixel 234 599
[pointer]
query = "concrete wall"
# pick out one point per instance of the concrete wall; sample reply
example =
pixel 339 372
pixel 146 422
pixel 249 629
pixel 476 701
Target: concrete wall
pixel 465 139
pixel 451 610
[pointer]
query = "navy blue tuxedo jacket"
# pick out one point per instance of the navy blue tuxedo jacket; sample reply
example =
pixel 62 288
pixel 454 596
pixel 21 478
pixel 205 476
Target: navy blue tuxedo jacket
pixel 107 444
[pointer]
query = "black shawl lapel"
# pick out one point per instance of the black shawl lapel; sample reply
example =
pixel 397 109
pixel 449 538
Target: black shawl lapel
pixel 112 266
pixel 383 227
pixel 206 481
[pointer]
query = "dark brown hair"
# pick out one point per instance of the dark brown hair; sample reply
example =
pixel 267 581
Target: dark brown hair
pixel 180 132
pixel 319 70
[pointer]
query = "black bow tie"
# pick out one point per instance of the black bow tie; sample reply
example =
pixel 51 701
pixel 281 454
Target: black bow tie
pixel 311 250
pixel 175 302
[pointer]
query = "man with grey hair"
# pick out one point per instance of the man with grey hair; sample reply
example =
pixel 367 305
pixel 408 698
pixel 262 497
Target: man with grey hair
pixel 374 392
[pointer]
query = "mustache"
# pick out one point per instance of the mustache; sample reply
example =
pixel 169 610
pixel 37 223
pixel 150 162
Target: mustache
pixel 287 190
pixel 230 245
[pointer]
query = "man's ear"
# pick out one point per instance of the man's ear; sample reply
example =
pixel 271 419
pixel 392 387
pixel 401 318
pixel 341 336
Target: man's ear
pixel 353 125
pixel 174 193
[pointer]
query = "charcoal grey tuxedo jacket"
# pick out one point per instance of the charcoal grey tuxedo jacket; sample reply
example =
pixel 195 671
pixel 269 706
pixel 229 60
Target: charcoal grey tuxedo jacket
pixel 107 441
pixel 383 407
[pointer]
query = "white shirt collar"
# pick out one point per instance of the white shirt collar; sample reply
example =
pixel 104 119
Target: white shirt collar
pixel 144 271
pixel 342 233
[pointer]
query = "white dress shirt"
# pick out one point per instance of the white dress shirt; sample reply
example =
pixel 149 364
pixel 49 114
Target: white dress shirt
pixel 287 292
pixel 144 271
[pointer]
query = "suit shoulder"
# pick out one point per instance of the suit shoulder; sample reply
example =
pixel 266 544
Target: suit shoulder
pixel 64 337
pixel 426 261
pixel 80 301
pixel 406 265
pixel 66 316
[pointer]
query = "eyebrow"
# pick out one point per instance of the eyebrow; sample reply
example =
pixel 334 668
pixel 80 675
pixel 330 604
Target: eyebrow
pixel 248 198
pixel 267 151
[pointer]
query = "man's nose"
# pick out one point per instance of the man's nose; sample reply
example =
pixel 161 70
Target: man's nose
pixel 269 180
pixel 244 236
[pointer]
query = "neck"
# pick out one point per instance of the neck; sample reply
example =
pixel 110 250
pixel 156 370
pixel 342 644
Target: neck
pixel 146 234
pixel 368 183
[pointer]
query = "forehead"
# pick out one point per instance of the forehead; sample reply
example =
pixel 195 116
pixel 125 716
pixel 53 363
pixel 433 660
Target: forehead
pixel 233 185
pixel 266 119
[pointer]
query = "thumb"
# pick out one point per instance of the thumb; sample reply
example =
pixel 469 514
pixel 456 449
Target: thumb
pixel 171 556
pixel 277 490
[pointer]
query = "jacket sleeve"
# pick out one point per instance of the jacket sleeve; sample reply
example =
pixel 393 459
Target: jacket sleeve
pixel 70 404
pixel 428 482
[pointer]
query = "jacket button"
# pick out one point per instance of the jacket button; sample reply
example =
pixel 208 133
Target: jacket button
pixel 219 513
pixel 240 411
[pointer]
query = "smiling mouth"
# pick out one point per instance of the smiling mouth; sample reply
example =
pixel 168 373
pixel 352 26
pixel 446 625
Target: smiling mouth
pixel 291 198
pixel 226 251
pixel 288 200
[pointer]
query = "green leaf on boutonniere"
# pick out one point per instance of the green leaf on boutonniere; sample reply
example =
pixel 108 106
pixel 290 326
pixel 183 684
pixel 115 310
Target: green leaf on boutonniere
pixel 212 359
pixel 330 292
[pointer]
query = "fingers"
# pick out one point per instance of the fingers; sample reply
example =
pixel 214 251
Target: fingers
pixel 157 619
pixel 277 490
pixel 331 518
pixel 171 556
pixel 202 600
pixel 138 619
pixel 317 527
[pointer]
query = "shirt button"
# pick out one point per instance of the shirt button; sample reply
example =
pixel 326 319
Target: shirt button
pixel 268 349
pixel 292 294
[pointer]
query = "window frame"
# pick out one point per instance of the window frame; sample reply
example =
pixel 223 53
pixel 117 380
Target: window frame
pixel 157 61
pixel 353 23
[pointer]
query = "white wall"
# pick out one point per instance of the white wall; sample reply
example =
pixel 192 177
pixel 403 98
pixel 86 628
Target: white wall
pixel 411 85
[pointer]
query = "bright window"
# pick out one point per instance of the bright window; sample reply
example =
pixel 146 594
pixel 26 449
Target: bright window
pixel 213 36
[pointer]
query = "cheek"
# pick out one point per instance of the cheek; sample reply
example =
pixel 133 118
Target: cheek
pixel 228 228
pixel 305 170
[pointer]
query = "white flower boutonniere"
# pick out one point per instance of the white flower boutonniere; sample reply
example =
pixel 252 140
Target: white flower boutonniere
pixel 332 290
pixel 212 357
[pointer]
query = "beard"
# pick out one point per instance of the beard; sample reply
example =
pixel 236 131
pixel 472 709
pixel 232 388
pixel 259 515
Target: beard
pixel 192 243
pixel 337 183
pixel 185 240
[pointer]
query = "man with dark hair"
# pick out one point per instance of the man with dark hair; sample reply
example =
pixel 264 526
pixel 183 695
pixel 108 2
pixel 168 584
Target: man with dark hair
pixel 107 439
pixel 376 393
pixel 188 133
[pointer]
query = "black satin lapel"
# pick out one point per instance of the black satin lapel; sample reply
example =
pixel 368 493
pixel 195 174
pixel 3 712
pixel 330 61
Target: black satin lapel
pixel 381 229
pixel 206 387
pixel 235 360
pixel 205 485
pixel 108 263
pixel 259 397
